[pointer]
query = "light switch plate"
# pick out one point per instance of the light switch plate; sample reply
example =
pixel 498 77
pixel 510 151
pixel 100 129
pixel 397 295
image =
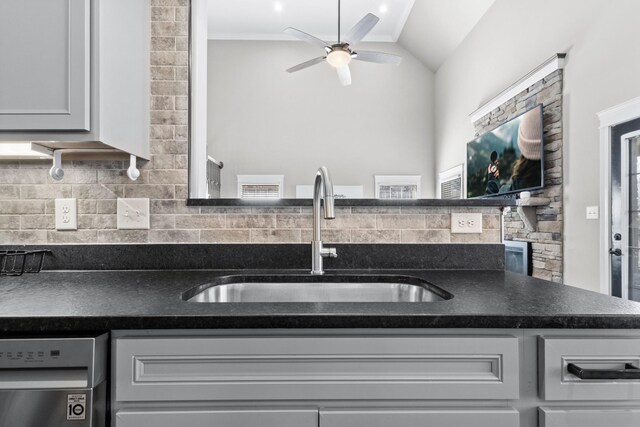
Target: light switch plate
pixel 66 214
pixel 133 214
pixel 593 212
pixel 466 223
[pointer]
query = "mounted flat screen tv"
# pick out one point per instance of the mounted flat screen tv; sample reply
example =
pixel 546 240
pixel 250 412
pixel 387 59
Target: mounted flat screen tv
pixel 508 159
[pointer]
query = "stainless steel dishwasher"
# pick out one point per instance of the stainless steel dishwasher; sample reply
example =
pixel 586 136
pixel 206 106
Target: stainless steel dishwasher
pixel 53 382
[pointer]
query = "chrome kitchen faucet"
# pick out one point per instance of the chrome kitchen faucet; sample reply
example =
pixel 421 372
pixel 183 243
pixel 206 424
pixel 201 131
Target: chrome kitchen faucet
pixel 322 189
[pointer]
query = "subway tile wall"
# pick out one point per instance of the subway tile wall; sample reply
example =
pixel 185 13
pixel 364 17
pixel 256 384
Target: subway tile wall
pixel 27 192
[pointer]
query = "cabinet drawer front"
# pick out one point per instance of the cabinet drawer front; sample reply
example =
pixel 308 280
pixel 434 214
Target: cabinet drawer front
pixel 273 368
pixel 557 383
pixel 218 418
pixel 498 417
pixel 589 417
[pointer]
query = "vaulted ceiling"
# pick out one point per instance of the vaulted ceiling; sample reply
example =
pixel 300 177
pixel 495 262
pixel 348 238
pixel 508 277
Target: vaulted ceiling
pixel 435 28
pixel 429 29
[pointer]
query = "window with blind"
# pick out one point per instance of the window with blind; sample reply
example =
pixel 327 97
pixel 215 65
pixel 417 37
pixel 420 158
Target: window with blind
pixel 397 187
pixel 260 191
pixel 260 186
pixel 451 186
pixel 398 191
pixel 451 189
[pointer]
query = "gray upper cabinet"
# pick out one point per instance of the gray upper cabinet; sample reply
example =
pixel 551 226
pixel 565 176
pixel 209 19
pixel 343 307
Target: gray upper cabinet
pixel 45 65
pixel 76 71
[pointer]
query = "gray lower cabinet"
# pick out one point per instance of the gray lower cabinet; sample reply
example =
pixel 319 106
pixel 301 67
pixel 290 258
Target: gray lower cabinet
pixel 218 418
pixel 361 378
pixel 246 381
pixel 589 417
pixel 597 352
pixel 459 417
pixel 45 72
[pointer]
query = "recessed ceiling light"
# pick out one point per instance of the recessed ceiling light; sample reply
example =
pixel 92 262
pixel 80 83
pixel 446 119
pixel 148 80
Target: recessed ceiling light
pixel 277 6
pixel 383 8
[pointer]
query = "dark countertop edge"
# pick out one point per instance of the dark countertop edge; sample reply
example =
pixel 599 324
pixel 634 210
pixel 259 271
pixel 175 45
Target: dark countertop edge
pixel 488 202
pixel 55 325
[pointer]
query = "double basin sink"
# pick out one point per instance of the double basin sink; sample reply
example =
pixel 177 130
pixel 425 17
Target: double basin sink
pixel 316 289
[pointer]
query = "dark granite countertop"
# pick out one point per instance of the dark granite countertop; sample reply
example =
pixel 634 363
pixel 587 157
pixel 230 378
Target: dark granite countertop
pixel 80 301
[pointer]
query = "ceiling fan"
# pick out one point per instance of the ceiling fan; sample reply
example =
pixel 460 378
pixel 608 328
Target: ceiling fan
pixel 339 55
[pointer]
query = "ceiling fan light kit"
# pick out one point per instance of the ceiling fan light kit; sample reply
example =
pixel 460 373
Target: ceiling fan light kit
pixel 340 54
pixel 339 58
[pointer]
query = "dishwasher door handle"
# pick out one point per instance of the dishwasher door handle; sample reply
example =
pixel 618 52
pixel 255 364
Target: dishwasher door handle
pixel 629 372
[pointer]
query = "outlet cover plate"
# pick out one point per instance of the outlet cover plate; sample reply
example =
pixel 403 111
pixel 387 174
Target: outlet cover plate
pixel 593 212
pixel 133 214
pixel 66 214
pixel 466 223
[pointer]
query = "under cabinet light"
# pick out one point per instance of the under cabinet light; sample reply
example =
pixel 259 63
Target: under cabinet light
pixel 20 150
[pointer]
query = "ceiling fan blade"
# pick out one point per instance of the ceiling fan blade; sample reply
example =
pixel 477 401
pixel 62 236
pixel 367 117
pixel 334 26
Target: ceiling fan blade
pixel 378 57
pixel 361 29
pixel 306 64
pixel 344 74
pixel 306 37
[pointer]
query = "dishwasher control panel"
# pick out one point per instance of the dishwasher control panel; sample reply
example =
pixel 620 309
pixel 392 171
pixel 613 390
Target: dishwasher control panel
pixel 46 352
pixel 29 356
pixel 87 354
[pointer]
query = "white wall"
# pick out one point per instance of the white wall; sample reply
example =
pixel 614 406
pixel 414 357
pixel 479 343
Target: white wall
pixel 601 38
pixel 263 120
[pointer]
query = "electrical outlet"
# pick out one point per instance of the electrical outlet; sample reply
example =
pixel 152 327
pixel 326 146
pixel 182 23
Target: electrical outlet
pixel 66 214
pixel 592 212
pixel 133 214
pixel 466 223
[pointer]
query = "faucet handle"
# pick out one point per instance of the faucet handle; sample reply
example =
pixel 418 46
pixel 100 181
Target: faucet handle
pixel 329 253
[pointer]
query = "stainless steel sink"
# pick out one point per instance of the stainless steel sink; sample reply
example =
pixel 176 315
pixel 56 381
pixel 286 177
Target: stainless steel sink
pixel 243 289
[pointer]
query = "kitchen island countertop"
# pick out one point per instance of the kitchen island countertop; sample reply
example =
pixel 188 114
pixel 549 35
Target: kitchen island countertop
pixel 80 301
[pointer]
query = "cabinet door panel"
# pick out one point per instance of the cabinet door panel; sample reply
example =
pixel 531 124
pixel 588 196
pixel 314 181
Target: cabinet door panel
pixel 44 77
pixel 459 417
pixel 589 417
pixel 218 418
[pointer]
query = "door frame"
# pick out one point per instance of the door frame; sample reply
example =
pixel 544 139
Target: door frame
pixel 622 113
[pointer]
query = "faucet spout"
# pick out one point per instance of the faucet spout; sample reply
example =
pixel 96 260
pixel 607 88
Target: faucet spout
pixel 322 194
pixel 323 185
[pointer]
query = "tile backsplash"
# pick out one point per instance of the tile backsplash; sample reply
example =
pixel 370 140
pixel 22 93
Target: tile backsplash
pixel 27 192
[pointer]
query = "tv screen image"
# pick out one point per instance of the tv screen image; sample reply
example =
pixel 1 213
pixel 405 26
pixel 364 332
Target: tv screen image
pixel 508 159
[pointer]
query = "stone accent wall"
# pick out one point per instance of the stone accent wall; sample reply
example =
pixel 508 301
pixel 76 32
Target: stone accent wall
pixel 27 192
pixel 546 241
